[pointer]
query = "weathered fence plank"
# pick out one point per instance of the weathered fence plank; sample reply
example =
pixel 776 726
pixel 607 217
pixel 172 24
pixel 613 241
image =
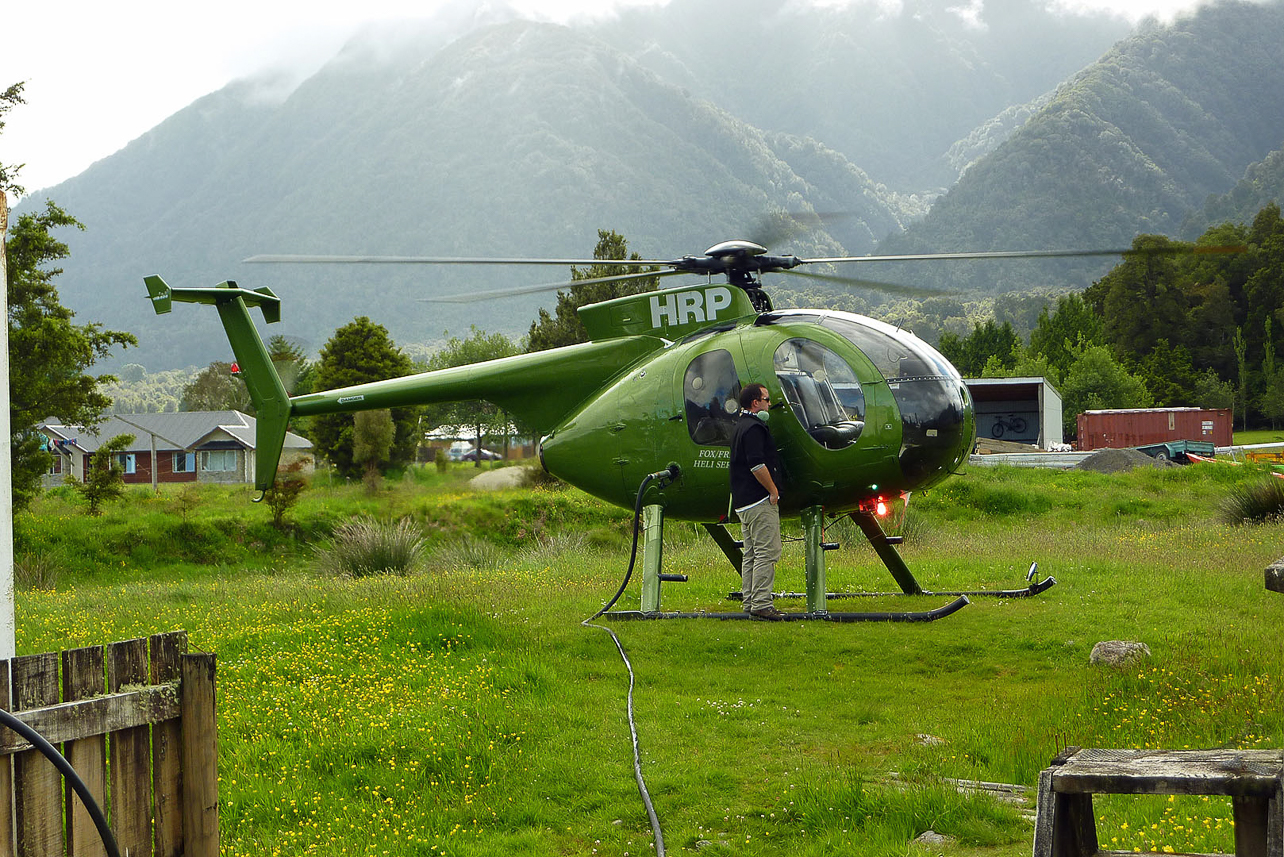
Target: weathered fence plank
pixel 200 757
pixel 83 677
pixel 37 784
pixel 131 756
pixel 98 716
pixel 167 784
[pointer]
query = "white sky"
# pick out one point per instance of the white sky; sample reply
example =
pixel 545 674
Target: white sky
pixel 101 74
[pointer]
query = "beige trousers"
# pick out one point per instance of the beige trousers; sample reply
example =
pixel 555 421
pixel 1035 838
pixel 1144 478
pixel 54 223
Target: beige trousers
pixel 761 534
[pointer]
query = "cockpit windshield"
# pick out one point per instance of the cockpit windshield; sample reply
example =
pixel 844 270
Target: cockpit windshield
pixel 930 394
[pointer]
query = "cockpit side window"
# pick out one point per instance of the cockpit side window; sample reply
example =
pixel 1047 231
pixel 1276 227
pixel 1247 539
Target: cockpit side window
pixel 711 389
pixel 822 391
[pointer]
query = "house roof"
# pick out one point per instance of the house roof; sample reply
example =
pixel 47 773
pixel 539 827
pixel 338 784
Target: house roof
pixel 185 430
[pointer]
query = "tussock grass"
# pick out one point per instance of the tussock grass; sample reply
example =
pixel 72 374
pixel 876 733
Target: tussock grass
pixel 365 547
pixel 1255 502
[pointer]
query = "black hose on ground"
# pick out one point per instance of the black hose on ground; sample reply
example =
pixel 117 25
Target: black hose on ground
pixel 671 473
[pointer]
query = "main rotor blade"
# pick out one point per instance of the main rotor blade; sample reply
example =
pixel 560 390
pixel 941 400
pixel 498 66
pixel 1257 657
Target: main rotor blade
pixel 489 294
pixel 872 285
pixel 441 260
pixel 774 229
pixel 1026 254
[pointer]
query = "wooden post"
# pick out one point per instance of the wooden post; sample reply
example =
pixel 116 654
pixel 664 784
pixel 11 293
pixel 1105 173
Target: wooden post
pixel 83 678
pixel 200 756
pixel 6 764
pixel 167 783
pixel 36 781
pixel 131 757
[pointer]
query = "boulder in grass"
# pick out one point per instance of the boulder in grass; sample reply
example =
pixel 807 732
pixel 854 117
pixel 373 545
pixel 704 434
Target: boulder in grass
pixel 1275 575
pixel 1116 653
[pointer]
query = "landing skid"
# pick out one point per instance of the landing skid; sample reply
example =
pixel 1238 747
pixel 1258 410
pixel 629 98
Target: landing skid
pixel 1030 591
pixel 910 616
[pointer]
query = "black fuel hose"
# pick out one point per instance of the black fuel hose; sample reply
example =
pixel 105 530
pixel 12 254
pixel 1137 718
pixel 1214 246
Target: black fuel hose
pixel 671 473
pixel 73 779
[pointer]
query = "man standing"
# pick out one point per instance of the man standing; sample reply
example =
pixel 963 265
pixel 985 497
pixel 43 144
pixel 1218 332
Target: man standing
pixel 755 475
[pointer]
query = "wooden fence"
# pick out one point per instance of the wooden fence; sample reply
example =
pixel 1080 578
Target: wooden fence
pixel 136 721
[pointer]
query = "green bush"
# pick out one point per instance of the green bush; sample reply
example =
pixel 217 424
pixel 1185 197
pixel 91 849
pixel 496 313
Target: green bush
pixel 365 547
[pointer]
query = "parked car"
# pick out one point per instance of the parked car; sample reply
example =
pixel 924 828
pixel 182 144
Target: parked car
pixel 486 455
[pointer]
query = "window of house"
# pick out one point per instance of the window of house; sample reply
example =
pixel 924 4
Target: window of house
pixel 184 462
pixel 125 461
pixel 218 460
pixel 711 388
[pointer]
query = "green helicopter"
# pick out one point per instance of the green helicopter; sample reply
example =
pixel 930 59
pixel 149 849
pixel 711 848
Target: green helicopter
pixel 864 413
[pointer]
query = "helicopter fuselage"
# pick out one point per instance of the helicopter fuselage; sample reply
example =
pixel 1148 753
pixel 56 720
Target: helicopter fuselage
pixel 860 410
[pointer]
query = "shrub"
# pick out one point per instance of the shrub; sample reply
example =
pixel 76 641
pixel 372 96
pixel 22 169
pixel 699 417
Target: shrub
pixel 365 547
pixel 37 571
pixel 1255 502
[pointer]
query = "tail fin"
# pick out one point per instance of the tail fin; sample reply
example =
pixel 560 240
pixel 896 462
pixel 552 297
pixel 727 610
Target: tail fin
pixel 271 402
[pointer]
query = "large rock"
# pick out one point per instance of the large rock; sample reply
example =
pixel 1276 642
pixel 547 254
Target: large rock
pixel 1118 652
pixel 1275 575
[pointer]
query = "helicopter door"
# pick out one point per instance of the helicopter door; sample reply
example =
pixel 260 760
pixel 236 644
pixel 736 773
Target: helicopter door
pixel 710 403
pixel 822 391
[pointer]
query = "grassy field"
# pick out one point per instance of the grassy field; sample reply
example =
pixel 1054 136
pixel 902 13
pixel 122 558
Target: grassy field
pixel 466 711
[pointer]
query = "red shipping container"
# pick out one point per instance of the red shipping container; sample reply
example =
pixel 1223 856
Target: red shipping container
pixel 1120 429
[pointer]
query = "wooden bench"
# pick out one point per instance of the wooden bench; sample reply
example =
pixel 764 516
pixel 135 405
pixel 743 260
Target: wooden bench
pixel 1253 779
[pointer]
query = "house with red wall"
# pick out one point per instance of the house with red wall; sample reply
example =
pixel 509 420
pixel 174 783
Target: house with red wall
pixel 188 446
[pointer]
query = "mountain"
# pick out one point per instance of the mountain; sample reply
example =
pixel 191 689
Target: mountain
pixel 1262 184
pixel 1133 144
pixel 890 86
pixel 678 127
pixel 518 139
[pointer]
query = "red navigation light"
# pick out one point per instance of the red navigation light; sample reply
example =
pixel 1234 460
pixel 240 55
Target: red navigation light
pixel 236 369
pixel 881 508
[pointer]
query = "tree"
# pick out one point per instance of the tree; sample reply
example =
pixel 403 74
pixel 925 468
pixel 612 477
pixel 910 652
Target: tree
pixel 105 479
pixel 565 328
pixel 285 490
pixel 483 417
pixel 1241 362
pixel 1072 323
pixel 359 352
pixel 48 352
pixel 292 366
pixel 1097 380
pixel 970 354
pixel 372 436
pixel 10 98
pixel 217 389
pixel 1169 375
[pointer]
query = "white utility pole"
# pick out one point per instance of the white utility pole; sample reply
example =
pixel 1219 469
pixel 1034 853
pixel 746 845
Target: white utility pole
pixel 8 645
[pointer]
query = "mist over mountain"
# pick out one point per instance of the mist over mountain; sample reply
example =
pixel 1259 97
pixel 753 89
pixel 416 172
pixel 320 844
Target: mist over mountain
pixel 678 127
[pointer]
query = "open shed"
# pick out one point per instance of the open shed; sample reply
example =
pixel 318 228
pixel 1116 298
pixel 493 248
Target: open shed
pixel 1024 410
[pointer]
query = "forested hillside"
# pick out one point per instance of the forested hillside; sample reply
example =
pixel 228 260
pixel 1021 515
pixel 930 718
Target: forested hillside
pixel 1132 145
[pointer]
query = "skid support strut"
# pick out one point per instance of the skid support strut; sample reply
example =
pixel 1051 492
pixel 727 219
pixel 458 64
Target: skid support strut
pixel 652 556
pixel 814 553
pixel 887 552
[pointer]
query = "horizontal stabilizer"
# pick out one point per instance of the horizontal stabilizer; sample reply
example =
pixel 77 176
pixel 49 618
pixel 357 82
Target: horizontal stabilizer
pixel 162 295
